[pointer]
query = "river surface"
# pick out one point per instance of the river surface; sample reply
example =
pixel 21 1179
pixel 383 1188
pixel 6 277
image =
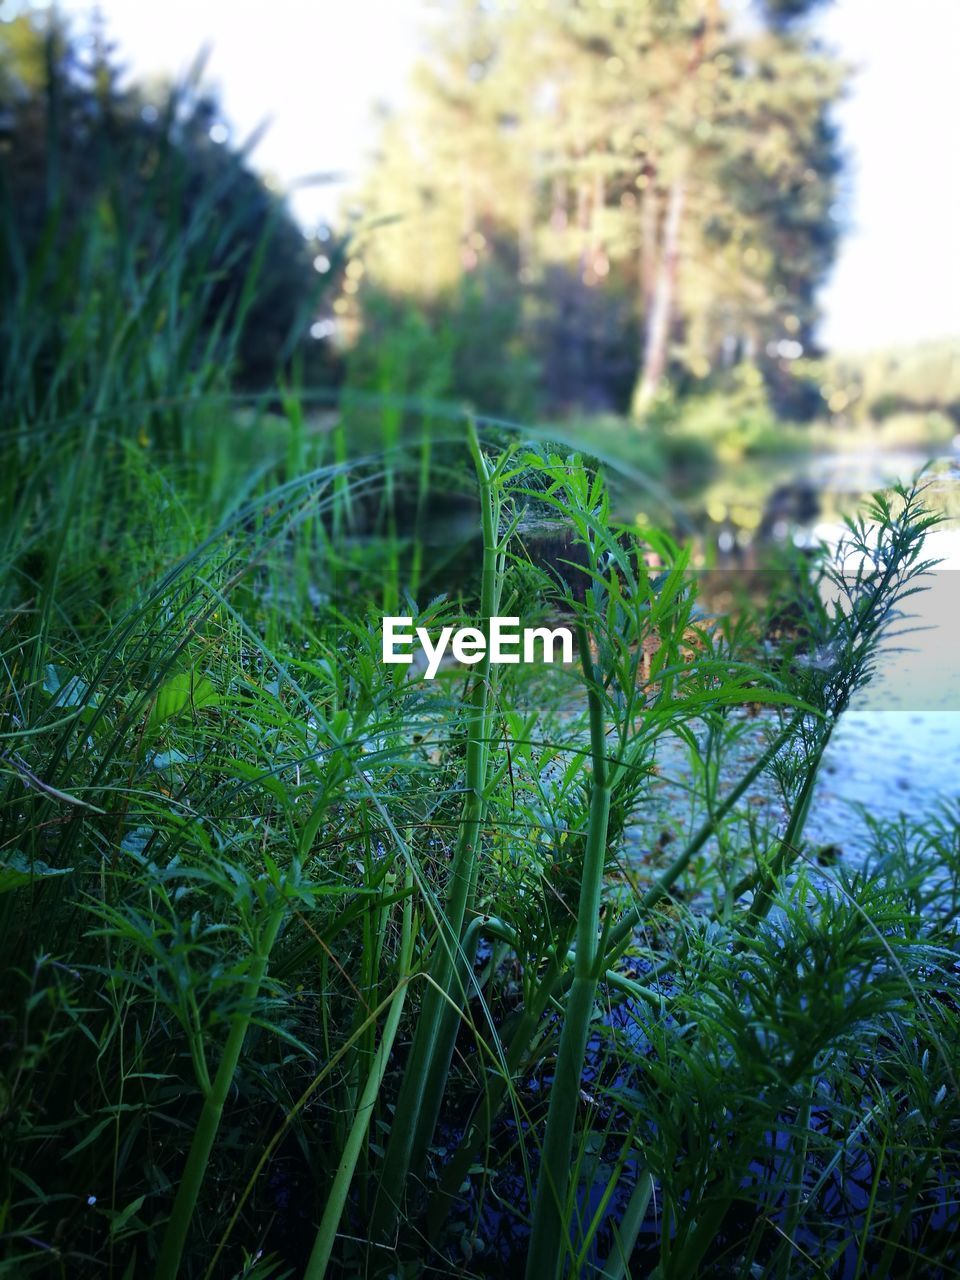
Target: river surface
pixel 897 749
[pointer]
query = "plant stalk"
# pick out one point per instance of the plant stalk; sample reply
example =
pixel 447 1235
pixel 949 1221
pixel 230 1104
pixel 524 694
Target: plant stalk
pixel 550 1221
pixel 333 1210
pixel 205 1134
pixel 424 1081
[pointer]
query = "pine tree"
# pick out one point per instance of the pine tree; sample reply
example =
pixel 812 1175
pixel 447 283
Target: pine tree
pixel 651 155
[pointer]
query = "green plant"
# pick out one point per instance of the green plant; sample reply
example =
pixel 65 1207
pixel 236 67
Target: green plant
pixel 311 964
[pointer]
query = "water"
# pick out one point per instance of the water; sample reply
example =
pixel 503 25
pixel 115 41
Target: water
pixel 891 763
pixel 897 749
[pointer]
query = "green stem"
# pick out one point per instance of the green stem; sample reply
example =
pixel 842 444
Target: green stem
pixel 554 984
pixel 333 1210
pixel 489 1106
pixel 622 933
pixel 430 1055
pixel 795 1207
pixel 789 843
pixel 185 1203
pixel 625 1235
pixel 549 1228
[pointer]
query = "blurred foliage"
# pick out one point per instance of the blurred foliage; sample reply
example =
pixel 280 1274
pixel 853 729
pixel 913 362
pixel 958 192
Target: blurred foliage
pixel 83 157
pixel 916 382
pixel 466 343
pixel 653 185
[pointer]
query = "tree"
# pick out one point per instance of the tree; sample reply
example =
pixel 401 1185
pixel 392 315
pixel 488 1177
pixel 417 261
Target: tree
pixel 654 152
pixel 83 156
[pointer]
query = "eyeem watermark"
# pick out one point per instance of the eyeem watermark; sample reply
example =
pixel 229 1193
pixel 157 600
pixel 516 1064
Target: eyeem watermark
pixel 508 643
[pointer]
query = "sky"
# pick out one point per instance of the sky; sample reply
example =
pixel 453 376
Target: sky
pixel 315 68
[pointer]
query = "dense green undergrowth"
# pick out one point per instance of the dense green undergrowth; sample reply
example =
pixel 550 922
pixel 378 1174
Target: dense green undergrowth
pixel 312 967
pixel 311 962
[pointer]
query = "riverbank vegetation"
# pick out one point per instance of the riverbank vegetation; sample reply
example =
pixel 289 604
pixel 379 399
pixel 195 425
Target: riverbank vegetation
pixel 311 967
pixel 315 964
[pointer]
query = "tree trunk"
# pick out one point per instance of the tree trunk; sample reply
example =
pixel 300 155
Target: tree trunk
pixel 649 210
pixel 659 319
